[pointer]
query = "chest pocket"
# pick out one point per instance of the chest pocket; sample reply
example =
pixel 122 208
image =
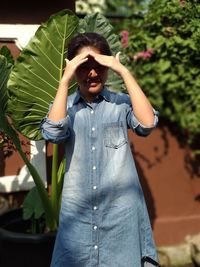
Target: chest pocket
pixel 114 135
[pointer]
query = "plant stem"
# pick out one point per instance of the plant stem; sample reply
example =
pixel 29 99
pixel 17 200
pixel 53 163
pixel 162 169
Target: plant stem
pixel 50 218
pixel 54 182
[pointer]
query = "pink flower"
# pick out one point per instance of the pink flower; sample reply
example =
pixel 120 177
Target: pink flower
pixel 143 54
pixel 124 38
pixel 182 2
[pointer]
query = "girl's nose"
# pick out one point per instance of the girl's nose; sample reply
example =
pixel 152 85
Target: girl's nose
pixel 92 73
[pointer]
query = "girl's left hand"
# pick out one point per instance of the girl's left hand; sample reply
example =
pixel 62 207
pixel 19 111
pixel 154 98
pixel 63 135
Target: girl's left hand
pixel 109 61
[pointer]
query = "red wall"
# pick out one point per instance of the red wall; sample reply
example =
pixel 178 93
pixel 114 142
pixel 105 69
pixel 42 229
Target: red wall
pixel 170 179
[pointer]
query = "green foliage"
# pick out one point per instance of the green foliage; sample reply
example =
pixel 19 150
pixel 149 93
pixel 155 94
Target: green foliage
pixel 123 7
pixel 7 54
pixel 111 7
pixel 33 210
pixel 10 131
pixel 37 71
pixel 30 209
pixel 88 6
pixel 170 73
pixel 5 69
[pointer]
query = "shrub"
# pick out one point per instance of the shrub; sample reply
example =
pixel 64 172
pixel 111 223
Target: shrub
pixel 164 54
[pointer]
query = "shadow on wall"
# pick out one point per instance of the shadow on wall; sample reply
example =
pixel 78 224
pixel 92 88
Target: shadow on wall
pixel 192 159
pixel 2 163
pixel 140 156
pixel 163 155
pixel 146 189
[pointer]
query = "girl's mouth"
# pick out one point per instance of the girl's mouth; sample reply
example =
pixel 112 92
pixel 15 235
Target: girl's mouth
pixel 93 81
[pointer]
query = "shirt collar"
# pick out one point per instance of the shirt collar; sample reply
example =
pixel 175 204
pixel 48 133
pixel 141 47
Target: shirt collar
pixel 104 93
pixel 77 97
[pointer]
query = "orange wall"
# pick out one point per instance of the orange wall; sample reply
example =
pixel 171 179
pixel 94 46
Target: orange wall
pixel 170 182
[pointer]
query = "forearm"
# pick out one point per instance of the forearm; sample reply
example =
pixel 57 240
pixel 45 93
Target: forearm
pixel 142 107
pixel 59 108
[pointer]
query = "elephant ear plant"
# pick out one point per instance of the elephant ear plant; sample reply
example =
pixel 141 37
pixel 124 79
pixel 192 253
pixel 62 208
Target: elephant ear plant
pixel 32 85
pixel 8 129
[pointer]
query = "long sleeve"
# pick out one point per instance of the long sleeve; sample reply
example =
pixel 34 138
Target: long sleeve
pixel 136 125
pixel 55 132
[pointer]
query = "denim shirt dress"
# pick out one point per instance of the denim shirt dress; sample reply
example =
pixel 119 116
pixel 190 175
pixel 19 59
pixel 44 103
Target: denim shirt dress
pixel 103 219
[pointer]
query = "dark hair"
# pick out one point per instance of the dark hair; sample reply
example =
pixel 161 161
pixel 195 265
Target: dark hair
pixel 88 39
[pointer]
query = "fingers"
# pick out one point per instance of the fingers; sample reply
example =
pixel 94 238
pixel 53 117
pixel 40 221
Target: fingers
pixel 91 52
pixel 117 56
pixel 104 60
pixel 66 61
pixel 76 61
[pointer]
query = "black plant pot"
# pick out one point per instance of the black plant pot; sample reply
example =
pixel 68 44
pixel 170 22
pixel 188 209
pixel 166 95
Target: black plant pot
pixel 20 249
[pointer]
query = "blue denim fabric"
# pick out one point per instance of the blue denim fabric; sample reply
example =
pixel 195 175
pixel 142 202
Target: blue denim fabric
pixel 103 219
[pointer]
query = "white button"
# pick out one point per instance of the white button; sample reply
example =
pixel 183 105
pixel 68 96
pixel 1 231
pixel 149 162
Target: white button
pixel 95 208
pixel 92 111
pixel 95 247
pixel 94 167
pixel 93 129
pixel 93 148
pixel 94 187
pixel 95 227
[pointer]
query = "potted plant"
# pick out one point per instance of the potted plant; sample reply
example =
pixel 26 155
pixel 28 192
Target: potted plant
pixel 25 98
pixel 12 239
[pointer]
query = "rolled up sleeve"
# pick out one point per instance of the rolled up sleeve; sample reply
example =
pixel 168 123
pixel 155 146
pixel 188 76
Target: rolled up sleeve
pixel 55 132
pixel 138 127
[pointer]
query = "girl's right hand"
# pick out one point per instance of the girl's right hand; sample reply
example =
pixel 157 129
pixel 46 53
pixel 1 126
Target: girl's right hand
pixel 72 65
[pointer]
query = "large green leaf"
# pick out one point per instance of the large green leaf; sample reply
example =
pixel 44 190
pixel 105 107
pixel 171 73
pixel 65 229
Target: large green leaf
pixel 4 74
pixel 37 72
pixel 5 51
pixel 32 205
pixel 96 22
pixel 10 131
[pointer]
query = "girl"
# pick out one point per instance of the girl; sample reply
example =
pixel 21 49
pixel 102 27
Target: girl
pixel 103 219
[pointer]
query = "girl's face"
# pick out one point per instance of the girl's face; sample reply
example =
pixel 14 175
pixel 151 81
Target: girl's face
pixel 91 76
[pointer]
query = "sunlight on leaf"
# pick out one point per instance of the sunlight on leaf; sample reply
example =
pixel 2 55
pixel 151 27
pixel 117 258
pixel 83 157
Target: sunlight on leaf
pixel 37 72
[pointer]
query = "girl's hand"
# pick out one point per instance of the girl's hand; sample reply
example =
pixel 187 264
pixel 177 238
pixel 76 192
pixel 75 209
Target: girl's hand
pixel 109 61
pixel 72 65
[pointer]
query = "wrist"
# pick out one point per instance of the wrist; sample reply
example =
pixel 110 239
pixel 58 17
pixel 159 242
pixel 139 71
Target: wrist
pixel 64 82
pixel 124 72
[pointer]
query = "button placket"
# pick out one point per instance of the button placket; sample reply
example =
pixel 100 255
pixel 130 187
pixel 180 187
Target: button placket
pixel 94 173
